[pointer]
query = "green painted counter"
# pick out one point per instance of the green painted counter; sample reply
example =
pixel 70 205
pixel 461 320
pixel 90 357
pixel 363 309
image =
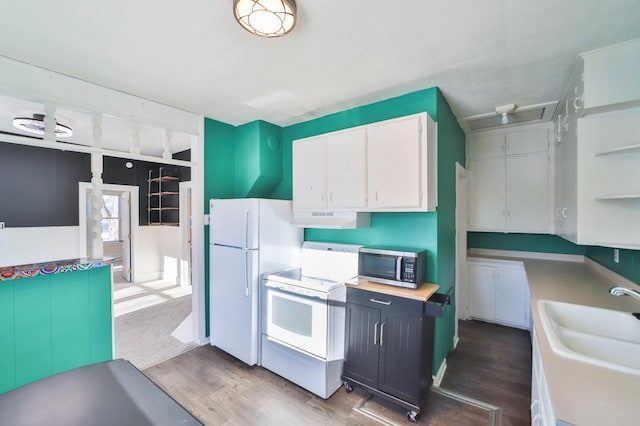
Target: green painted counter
pixel 53 323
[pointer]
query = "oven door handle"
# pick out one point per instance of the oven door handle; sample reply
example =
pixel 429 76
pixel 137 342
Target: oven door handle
pixel 288 290
pixel 398 267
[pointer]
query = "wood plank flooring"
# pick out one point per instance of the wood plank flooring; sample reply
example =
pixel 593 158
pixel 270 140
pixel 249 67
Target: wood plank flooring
pixel 491 363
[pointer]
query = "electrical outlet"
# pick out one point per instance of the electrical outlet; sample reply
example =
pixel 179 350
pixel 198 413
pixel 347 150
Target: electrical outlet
pixel 616 255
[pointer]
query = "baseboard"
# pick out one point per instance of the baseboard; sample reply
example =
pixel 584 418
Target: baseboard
pixel 437 379
pixel 456 339
pixel 526 255
pixel 149 276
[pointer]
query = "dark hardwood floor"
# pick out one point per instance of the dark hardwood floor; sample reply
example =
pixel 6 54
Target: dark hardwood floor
pixel 491 364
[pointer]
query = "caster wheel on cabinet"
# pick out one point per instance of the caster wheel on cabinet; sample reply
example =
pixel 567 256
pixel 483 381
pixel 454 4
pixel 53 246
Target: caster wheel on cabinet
pixel 412 416
pixel 348 388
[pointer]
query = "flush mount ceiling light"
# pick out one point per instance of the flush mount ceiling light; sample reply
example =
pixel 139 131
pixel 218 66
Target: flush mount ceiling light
pixel 266 18
pixel 504 110
pixel 36 126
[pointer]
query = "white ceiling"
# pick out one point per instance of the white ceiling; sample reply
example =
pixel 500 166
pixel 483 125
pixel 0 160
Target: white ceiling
pixel 191 54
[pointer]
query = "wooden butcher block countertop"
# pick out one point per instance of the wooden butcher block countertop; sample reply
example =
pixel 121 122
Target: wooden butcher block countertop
pixel 422 293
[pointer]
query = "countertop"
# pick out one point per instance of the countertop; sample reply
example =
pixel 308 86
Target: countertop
pixel 422 293
pixel 53 267
pixel 582 394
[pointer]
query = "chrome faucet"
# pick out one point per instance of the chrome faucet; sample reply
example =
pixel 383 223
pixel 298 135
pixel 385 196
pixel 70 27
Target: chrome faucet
pixel 623 291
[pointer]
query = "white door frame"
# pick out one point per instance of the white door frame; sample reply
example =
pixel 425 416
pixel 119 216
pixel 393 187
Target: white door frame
pixel 197 237
pixel 83 188
pixel 461 247
pixel 185 225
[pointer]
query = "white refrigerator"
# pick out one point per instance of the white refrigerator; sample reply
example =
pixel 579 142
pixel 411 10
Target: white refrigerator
pixel 248 237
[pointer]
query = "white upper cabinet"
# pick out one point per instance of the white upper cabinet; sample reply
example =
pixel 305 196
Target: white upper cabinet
pixel 509 184
pixel 611 76
pixel 395 146
pixel 309 174
pixel 484 146
pixel 385 166
pixel 347 170
pixel 487 195
pixel 527 193
pixel 598 150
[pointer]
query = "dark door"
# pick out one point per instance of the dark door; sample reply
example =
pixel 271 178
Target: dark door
pixel 400 353
pixel 362 344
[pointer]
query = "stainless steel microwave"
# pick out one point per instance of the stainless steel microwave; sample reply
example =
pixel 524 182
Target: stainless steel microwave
pixel 395 266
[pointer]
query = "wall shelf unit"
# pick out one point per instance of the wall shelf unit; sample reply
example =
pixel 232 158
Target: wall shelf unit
pixel 628 149
pixel 163 197
pixel 618 197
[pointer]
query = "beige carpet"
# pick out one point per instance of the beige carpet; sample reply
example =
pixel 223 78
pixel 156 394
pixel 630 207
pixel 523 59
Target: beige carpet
pixel 145 337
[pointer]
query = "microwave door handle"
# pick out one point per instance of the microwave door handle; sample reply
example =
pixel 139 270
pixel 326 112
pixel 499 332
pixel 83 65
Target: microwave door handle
pixel 398 266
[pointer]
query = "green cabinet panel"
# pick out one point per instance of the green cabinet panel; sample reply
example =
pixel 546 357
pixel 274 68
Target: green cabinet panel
pixel 70 329
pixel 100 304
pixel 32 328
pixel 7 353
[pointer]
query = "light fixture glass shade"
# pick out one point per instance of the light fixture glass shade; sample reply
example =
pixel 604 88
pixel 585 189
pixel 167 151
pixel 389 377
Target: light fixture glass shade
pixel 36 126
pixel 266 18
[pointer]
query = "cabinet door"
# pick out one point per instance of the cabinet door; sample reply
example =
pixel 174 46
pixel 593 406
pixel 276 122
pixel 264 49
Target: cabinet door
pixel 482 147
pixel 511 296
pixel 527 141
pixel 309 174
pixel 393 160
pixel 400 356
pixel 527 193
pixel 487 195
pixel 362 344
pixel 346 170
pixel 482 292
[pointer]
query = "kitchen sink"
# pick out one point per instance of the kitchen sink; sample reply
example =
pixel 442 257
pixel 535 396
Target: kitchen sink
pixel 602 337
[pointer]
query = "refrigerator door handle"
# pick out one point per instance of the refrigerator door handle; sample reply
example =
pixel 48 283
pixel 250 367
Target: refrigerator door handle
pixel 246 273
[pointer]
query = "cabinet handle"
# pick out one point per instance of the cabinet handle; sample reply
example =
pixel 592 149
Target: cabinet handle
pixel 331 197
pixel 508 212
pixel 564 212
pixel 382 333
pixel 376 195
pixel 382 302
pixel 375 333
pixel 534 407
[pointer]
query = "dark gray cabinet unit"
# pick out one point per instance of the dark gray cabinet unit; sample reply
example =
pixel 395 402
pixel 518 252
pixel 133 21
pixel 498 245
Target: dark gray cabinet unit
pixel 389 347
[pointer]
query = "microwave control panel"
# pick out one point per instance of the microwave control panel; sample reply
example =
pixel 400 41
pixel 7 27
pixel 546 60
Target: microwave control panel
pixel 409 270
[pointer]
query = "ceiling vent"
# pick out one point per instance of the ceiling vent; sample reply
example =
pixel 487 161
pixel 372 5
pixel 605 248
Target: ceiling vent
pixel 521 115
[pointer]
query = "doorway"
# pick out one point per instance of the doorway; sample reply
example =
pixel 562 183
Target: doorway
pixel 119 210
pixel 461 247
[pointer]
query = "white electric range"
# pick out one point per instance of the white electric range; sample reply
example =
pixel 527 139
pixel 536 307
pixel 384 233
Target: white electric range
pixel 303 321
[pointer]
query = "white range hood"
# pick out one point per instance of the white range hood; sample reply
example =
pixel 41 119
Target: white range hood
pixel 331 220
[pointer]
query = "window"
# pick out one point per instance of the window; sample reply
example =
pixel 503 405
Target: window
pixel 110 218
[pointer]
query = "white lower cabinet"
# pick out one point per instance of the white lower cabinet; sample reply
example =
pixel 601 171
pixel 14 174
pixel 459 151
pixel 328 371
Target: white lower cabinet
pixel 498 292
pixel 541 406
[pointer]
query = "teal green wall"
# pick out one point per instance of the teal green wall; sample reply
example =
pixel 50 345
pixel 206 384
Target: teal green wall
pixel 256 142
pixel 451 150
pixel 219 180
pixel 53 323
pixel 542 243
pixel 433 231
pixel 258 161
pixel 628 267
